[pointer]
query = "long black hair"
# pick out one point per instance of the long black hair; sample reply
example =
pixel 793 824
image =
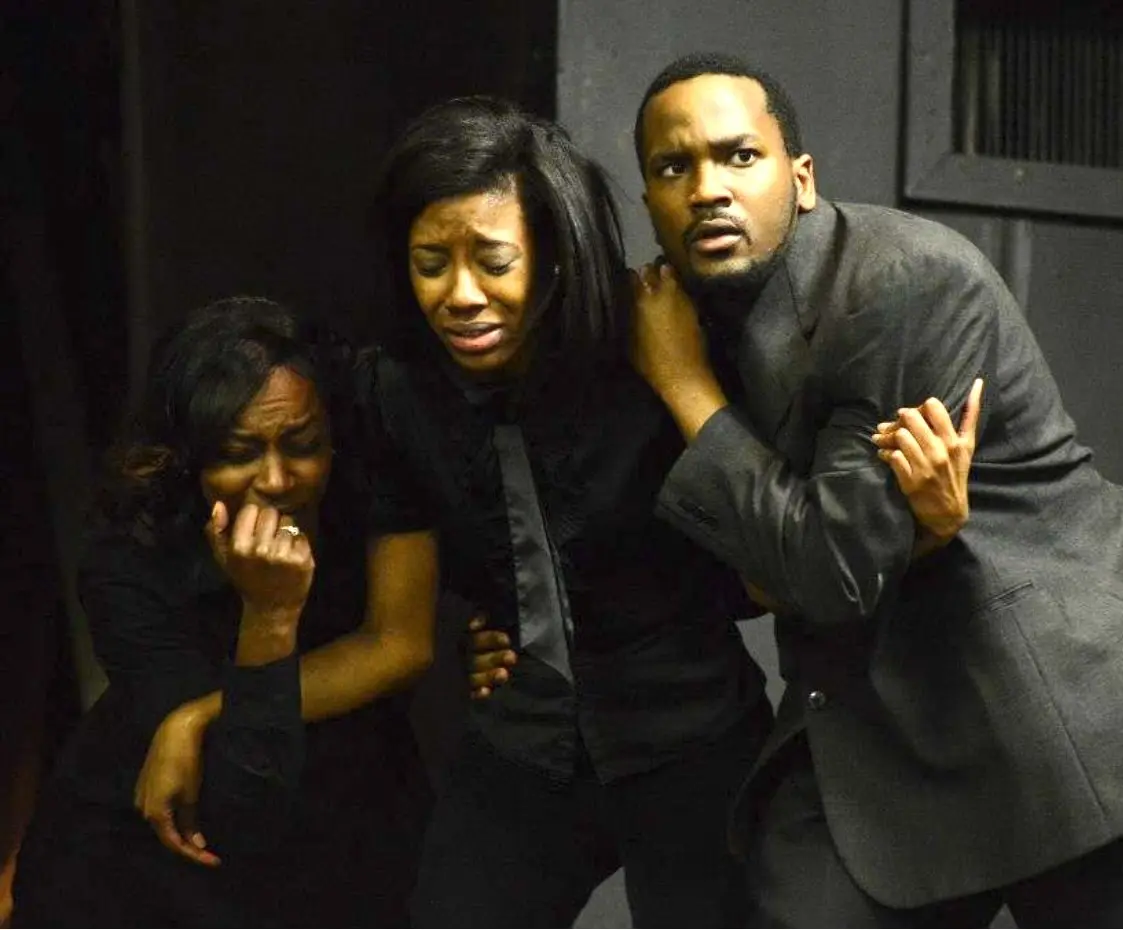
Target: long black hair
pixel 473 145
pixel 201 375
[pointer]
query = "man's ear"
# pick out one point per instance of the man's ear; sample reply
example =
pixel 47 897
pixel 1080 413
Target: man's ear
pixel 803 173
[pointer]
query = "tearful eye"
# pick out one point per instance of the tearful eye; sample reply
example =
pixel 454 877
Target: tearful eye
pixel 495 269
pixel 429 271
pixel 304 447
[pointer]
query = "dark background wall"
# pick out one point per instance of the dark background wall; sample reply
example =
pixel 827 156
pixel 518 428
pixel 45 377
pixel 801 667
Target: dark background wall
pixel 159 155
pixel 156 156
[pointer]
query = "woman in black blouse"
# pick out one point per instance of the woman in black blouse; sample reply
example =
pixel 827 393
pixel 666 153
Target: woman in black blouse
pixel 232 631
pixel 514 430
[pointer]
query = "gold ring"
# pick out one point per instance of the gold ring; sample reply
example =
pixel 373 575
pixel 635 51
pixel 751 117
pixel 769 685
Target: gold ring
pixel 291 528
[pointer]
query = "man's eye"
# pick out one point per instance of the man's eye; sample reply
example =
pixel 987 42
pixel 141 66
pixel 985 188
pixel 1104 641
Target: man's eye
pixel 743 157
pixel 672 169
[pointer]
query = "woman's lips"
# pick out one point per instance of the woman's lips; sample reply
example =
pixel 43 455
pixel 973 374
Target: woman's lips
pixel 475 339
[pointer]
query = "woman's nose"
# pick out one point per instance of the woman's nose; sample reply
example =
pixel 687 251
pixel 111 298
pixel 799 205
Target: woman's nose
pixel 466 295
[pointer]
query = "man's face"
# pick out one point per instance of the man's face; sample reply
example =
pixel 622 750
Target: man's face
pixel 722 192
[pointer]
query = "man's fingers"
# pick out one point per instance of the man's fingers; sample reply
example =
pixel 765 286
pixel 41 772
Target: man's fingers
pixel 924 444
pixel 939 419
pixel 969 422
pixel 900 467
pixel 918 457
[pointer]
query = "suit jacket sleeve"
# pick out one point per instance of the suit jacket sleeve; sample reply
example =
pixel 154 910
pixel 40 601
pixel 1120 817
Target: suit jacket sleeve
pixel 835 542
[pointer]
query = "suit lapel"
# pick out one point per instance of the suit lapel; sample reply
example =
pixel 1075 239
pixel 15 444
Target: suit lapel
pixel 774 357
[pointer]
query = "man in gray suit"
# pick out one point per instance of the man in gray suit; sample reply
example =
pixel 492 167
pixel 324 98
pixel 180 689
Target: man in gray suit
pixel 951 736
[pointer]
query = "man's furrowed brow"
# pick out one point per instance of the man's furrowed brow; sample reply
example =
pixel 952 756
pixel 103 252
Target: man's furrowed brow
pixel 728 143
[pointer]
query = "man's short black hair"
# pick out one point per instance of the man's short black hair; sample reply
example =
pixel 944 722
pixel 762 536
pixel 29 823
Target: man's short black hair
pixel 694 65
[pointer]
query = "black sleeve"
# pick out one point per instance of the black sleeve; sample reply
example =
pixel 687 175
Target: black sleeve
pixel 398 501
pixel 150 645
pixel 144 638
pixel 254 755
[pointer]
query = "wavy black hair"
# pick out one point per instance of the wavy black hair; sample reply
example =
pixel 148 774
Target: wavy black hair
pixel 778 102
pixel 201 375
pixel 473 145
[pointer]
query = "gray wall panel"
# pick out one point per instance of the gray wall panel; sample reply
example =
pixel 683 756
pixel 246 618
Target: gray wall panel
pixel 839 61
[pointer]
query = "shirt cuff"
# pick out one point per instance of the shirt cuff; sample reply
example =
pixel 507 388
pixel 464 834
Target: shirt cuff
pixel 262 696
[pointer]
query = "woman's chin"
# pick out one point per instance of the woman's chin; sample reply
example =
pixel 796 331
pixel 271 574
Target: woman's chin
pixel 494 363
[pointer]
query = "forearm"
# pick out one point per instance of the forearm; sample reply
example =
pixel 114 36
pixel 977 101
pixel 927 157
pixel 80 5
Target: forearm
pixel 355 669
pixel 338 677
pixel 829 546
pixel 266 636
pixel 692 402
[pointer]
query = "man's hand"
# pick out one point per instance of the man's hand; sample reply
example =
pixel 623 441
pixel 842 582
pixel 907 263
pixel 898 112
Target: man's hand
pixel 669 350
pixel 490 658
pixel 167 789
pixel 931 461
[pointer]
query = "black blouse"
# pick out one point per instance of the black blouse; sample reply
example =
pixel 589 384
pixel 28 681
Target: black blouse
pixel 657 664
pixel 164 623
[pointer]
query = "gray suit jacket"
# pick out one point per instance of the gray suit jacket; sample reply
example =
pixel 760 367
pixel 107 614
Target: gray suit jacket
pixel 965 713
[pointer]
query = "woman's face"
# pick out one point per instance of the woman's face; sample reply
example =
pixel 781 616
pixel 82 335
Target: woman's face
pixel 278 454
pixel 471 264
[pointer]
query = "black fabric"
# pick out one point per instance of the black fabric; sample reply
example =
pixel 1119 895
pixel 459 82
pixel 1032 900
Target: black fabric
pixel 310 820
pixel 798 880
pixel 508 846
pixel 658 664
